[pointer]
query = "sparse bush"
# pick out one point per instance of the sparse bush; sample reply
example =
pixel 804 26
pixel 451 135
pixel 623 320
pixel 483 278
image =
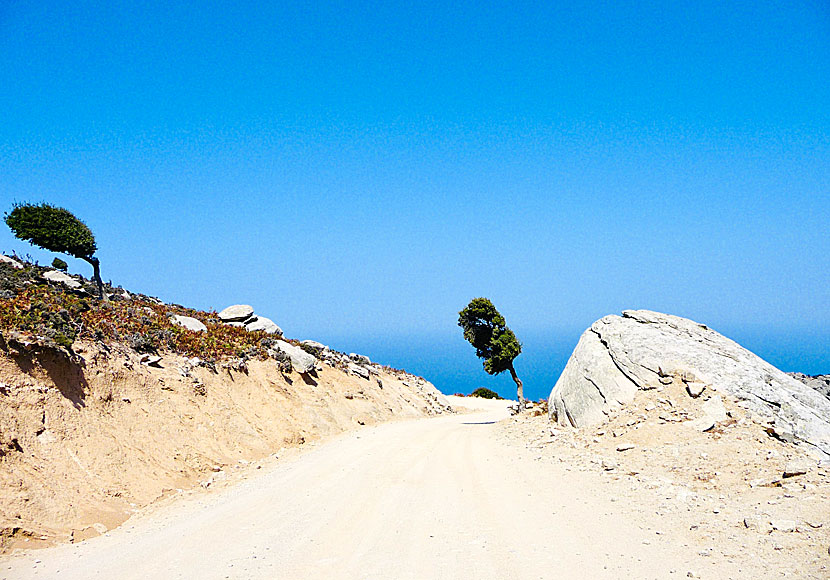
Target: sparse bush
pixel 485 393
pixel 59 264
pixel 309 349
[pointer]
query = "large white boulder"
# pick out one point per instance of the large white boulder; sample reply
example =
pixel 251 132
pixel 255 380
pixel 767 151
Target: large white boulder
pixel 236 313
pixel 188 322
pixel 620 355
pixel 11 261
pixel 317 347
pixel 264 324
pixel 60 277
pixel 301 361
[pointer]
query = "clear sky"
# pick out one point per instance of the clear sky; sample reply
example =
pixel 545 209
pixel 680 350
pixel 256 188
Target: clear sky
pixel 364 169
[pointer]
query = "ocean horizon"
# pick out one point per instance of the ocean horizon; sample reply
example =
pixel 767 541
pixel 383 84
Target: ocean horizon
pixel 451 365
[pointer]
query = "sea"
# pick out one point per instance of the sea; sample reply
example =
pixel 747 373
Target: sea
pixel 449 362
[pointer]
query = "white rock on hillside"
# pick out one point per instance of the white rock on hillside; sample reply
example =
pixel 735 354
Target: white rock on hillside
pixel 236 313
pixel 65 279
pixel 301 361
pixel 317 347
pixel 11 261
pixel 264 324
pixel 620 354
pixel 188 322
pixel 360 359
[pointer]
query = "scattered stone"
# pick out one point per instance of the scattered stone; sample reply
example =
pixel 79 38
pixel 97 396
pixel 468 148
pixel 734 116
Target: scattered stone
pixel 360 359
pixel 148 359
pixel 60 277
pixel 359 371
pixel 608 465
pixel 188 322
pixel 99 527
pixel 695 389
pixel 236 313
pixel 11 261
pixel 703 424
pixel 714 409
pixel 797 467
pixel 301 361
pixel 666 380
pixel 314 345
pixel 266 325
pixel 625 447
pixel 757 523
pixel 785 526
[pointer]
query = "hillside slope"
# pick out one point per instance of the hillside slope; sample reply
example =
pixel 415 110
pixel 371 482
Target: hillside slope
pixel 89 433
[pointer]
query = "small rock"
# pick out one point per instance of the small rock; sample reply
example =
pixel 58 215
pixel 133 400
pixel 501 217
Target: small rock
pixel 783 525
pixel 147 359
pixel 301 361
pixel 360 359
pixel 666 380
pixel 625 447
pixel 714 409
pixel 695 389
pixel 359 371
pixel 99 527
pixel 11 261
pixel 263 324
pixel 318 347
pixel 236 313
pixel 703 424
pixel 188 322
pixel 797 467
pixel 757 523
pixel 65 279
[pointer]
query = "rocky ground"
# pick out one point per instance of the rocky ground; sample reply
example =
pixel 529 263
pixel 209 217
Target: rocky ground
pixel 821 383
pixel 734 491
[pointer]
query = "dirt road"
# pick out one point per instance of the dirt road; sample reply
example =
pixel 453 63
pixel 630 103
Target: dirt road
pixel 433 498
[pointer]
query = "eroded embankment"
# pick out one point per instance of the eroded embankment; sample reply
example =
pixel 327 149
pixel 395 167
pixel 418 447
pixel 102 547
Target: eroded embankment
pixel 87 440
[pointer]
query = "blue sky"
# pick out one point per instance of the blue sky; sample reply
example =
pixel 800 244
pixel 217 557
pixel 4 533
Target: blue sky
pixel 364 169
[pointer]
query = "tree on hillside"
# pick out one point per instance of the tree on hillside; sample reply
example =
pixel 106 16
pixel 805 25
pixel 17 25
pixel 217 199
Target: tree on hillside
pixel 487 331
pixel 57 230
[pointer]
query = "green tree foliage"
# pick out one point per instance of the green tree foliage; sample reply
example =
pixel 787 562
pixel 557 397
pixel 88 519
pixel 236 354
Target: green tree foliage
pixel 485 328
pixel 59 264
pixel 57 230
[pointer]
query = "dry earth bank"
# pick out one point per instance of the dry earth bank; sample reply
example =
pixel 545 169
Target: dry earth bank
pixel 733 494
pixel 86 441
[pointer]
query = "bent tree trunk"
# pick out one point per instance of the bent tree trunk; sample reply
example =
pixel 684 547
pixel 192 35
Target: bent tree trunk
pixel 96 275
pixel 519 389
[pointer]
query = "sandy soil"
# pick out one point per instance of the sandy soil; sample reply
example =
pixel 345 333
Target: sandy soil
pixel 84 444
pixel 465 496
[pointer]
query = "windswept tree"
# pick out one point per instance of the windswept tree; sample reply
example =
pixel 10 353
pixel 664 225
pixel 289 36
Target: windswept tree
pixel 57 230
pixel 487 331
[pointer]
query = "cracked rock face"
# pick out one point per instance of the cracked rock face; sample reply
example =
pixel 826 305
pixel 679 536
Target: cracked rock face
pixel 620 355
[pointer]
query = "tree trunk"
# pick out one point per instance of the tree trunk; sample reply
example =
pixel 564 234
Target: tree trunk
pixel 519 389
pixel 96 276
